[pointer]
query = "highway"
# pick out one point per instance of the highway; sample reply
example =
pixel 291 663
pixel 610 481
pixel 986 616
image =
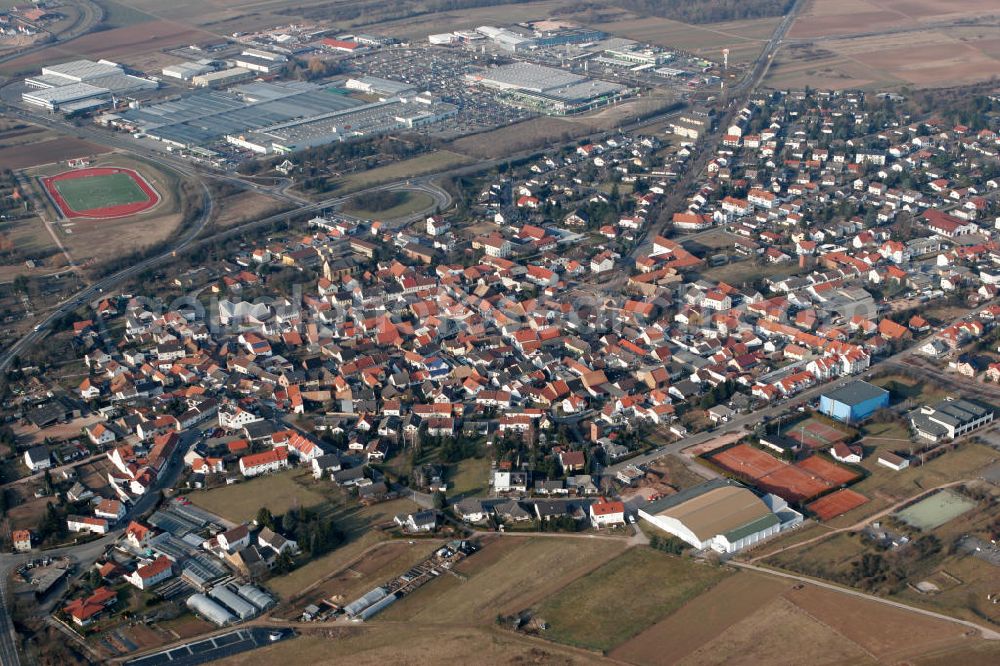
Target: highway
pixel 739 96
pixel 190 240
pixel 426 183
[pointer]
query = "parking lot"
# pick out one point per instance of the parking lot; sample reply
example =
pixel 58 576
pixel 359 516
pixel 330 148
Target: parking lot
pixel 441 71
pixel 981 548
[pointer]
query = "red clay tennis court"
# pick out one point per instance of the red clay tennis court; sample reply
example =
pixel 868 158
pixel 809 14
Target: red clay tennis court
pixel 815 434
pixel 830 471
pixel 836 504
pixel 770 474
pixel 747 461
pixel 101 193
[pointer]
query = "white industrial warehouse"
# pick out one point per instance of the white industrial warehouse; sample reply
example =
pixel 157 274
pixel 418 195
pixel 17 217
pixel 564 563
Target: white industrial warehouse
pixel 82 85
pixel 547 89
pixel 722 515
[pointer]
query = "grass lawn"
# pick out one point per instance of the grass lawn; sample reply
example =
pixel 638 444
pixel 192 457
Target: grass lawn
pixel 906 388
pixel 892 433
pixel 738 272
pixel 372 643
pixel 469 477
pixel 241 501
pixel 506 576
pixel 100 191
pixel 439 160
pixel 598 611
pixel 411 203
pixel 822 558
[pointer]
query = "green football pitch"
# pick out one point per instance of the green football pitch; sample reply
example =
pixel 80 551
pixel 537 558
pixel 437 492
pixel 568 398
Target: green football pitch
pixel 115 189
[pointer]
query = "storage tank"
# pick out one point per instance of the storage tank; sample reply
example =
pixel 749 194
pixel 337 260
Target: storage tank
pixel 256 596
pixel 210 610
pixel 243 608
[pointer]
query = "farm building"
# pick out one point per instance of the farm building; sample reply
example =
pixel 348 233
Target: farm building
pixel 853 402
pixel 721 515
pixel 234 602
pixel 256 596
pixel 209 609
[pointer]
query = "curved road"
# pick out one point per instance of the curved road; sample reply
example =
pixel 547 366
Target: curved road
pixel 97 288
pixel 187 242
pixel 90 15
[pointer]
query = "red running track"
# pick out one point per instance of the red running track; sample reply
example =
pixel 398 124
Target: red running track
pixel 106 212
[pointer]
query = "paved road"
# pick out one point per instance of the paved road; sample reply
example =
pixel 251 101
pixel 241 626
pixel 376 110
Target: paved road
pixel 90 15
pixel 752 418
pixel 84 553
pixel 739 95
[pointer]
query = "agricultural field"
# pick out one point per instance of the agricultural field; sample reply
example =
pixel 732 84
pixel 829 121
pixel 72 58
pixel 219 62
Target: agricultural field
pixel 122 44
pixel 509 575
pixel 242 206
pixel 241 501
pixel 530 134
pixel 744 39
pixel 419 27
pixel 826 18
pixel 27 238
pixel 752 618
pixel 890 634
pixel 377 565
pixel 24 145
pixel 22 155
pixel 579 613
pixel 375 645
pixel 863 43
